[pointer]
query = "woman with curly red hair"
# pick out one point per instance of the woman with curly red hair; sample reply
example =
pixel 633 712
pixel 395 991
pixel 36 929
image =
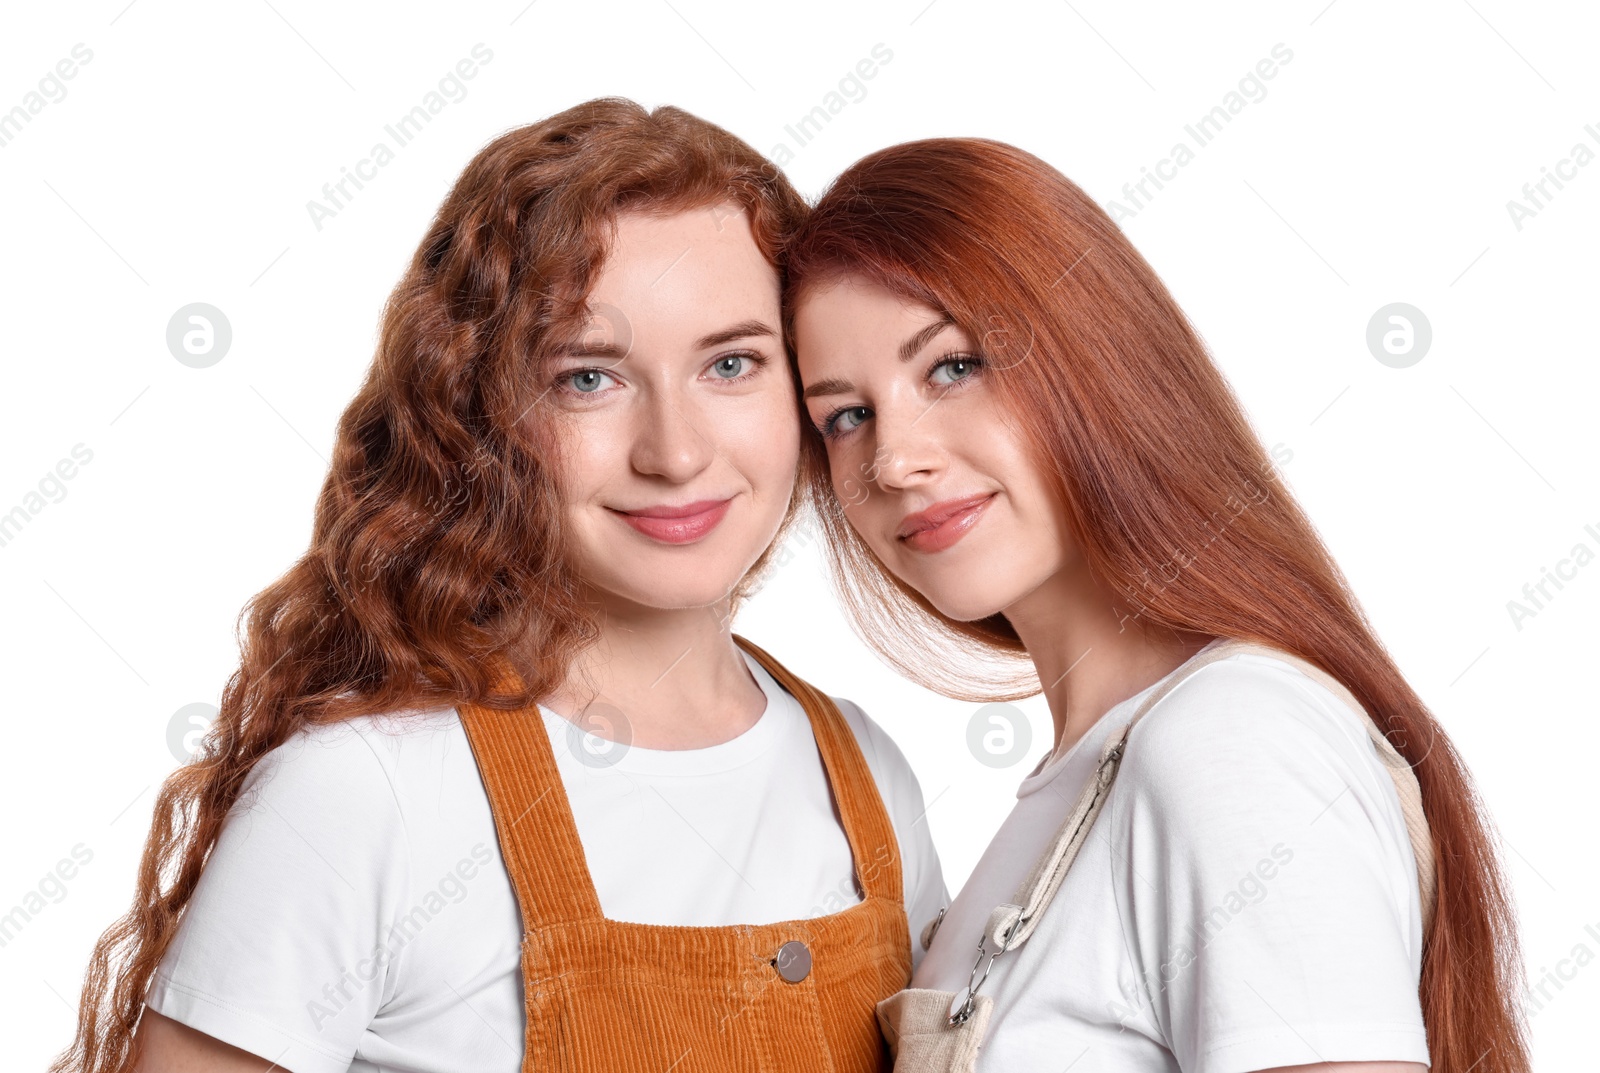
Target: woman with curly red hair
pixel 495 786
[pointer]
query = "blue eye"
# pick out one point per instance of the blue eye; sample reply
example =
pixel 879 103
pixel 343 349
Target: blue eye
pixel 587 381
pixel 735 366
pixel 956 368
pixel 846 420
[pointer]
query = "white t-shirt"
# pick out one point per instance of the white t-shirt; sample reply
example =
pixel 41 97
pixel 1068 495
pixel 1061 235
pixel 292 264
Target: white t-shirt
pixel 376 834
pixel 1247 899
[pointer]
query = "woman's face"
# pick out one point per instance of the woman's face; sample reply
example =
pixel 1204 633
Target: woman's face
pixel 932 472
pixel 676 413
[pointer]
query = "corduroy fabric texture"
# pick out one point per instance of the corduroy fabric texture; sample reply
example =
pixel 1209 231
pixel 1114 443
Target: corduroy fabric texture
pixel 604 995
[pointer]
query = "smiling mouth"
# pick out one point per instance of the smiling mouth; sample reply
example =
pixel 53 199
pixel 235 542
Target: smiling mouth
pixel 684 524
pixel 943 524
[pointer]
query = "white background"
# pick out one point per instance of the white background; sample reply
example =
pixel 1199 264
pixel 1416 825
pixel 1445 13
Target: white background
pixel 1376 169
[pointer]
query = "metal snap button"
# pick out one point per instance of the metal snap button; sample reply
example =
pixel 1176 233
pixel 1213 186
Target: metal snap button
pixel 793 961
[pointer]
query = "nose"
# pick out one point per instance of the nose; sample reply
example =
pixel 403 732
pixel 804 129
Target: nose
pixel 909 451
pixel 670 438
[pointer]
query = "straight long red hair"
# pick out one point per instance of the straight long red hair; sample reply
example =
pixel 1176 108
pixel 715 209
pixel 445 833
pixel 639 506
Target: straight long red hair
pixel 1147 445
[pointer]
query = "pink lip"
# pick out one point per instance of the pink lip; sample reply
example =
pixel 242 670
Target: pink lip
pixel 941 525
pixel 677 524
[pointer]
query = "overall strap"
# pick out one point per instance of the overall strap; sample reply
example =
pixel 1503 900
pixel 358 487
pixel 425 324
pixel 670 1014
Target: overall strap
pixel 1011 924
pixel 532 816
pixel 866 822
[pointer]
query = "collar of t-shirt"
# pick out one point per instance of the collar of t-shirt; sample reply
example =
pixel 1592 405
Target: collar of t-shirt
pixel 782 718
pixel 1050 766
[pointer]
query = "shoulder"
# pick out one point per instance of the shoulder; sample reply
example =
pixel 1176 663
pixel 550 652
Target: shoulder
pixel 1242 706
pixel 1257 848
pixel 347 770
pixel 311 870
pixel 1247 722
pixel 884 757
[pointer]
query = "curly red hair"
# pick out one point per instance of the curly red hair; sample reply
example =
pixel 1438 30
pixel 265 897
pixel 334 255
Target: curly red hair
pixel 435 551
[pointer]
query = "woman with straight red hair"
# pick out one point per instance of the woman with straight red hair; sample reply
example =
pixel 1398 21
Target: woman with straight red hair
pixel 1251 846
pixel 496 787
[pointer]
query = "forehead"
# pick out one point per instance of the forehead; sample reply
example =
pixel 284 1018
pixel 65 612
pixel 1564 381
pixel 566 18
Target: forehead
pixel 854 317
pixel 681 275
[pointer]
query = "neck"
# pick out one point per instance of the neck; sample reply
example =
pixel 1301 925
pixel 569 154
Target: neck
pixel 1091 651
pixel 677 677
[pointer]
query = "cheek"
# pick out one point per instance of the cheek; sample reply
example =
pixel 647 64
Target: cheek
pixel 588 450
pixel 871 512
pixel 760 436
pixel 1035 502
pixel 874 519
pixel 980 430
pixel 849 481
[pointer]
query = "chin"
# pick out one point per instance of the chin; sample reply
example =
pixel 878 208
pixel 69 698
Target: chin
pixel 691 601
pixel 967 600
pixel 679 590
pixel 968 611
pixel 967 595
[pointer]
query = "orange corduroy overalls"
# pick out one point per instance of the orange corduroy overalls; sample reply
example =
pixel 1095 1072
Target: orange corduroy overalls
pixel 607 996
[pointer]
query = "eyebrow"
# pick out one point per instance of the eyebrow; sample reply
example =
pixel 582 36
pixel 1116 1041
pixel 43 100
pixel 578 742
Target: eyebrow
pixel 908 350
pixel 745 329
pixel 920 338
